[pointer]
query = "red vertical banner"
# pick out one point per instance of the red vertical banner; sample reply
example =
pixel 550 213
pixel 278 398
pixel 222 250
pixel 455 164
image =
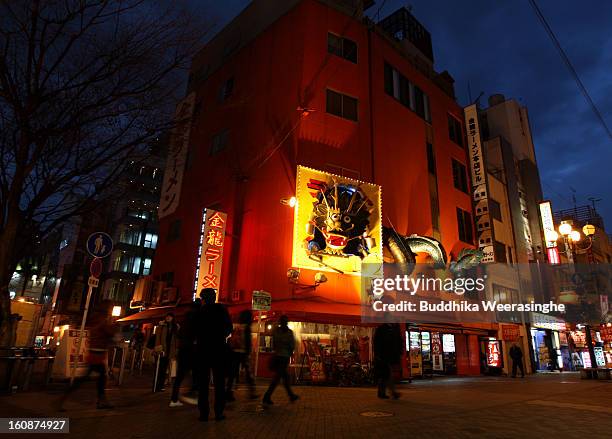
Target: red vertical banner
pixel 211 257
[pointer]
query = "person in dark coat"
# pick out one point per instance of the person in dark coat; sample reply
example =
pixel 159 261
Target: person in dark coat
pixel 283 342
pixel 214 327
pixel 166 342
pixel 387 354
pixel 186 353
pixel 516 354
pixel 240 343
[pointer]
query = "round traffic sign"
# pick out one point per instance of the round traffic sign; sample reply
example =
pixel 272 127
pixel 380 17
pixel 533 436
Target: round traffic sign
pixel 99 244
pixel 95 268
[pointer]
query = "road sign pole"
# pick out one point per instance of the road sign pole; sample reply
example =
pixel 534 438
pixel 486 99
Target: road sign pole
pixel 258 341
pixel 80 341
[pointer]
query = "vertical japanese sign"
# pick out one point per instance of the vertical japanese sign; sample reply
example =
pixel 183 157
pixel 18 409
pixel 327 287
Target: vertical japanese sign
pixel 177 156
pixel 208 271
pixel 478 172
pixel 548 224
pixel 493 354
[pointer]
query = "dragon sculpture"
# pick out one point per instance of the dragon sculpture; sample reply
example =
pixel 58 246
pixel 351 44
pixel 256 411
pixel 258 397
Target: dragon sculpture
pixel 340 224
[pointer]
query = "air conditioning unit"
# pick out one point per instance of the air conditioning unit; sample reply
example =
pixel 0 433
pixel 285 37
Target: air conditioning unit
pixel 158 292
pixel 143 291
pixel 169 295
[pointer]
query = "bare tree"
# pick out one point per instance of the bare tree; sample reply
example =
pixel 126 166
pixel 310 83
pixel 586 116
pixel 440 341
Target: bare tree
pixel 84 86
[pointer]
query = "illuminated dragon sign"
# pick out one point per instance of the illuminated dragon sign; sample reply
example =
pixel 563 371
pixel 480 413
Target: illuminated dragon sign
pixel 338 227
pixel 337 224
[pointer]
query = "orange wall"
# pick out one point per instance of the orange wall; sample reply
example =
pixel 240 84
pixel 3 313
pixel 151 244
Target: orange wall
pixel 284 68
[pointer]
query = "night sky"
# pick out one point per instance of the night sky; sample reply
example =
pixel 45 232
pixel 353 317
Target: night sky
pixel 501 47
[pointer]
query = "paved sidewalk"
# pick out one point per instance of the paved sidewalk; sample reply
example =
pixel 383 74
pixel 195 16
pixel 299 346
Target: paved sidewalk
pixel 544 406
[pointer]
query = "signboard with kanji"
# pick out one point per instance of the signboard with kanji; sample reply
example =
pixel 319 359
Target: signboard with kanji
pixel 261 301
pixel 211 250
pixel 493 354
pixel 177 157
pixel 510 332
pixel 480 190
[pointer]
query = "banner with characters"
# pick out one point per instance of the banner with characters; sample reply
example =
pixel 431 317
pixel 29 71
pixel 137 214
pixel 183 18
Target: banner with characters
pixel 338 223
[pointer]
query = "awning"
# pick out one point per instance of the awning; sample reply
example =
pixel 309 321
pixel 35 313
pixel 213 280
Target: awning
pixel 311 310
pixel 156 314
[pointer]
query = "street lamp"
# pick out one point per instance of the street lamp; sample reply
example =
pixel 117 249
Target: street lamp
pixel 571 239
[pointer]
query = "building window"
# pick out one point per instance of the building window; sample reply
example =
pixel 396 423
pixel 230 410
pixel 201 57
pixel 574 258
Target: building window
pixel 460 176
pixel 226 90
pixel 464 223
pixel 138 213
pixel 431 159
pixel 342 105
pixel 174 232
pixel 408 94
pixel 146 270
pixel 500 252
pixel 150 240
pixel 130 236
pixel 455 133
pixel 495 210
pixel 342 47
pixel 219 142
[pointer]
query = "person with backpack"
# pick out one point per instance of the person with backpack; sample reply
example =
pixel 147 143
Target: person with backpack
pixel 240 343
pixel 283 342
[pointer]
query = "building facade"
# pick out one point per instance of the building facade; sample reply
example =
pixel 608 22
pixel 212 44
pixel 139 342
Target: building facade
pixel 329 90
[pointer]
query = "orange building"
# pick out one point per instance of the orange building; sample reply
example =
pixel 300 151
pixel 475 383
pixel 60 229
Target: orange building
pixel 317 84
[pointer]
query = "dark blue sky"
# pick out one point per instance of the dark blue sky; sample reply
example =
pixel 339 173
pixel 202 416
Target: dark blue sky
pixel 501 47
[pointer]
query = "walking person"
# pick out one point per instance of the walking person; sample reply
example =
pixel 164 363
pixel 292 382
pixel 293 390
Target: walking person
pixel 516 354
pixel 240 343
pixel 283 342
pixel 101 334
pixel 166 341
pixel 214 326
pixel 387 355
pixel 186 354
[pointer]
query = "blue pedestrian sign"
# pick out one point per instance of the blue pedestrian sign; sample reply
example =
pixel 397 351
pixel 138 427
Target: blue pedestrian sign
pixel 99 244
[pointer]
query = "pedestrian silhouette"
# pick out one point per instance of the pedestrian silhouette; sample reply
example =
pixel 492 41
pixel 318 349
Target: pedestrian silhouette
pixel 283 342
pixel 213 327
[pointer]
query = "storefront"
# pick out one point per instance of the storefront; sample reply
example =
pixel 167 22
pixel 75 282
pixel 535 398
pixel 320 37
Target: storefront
pixel 445 350
pixel 549 344
pixel 606 338
pixel 324 353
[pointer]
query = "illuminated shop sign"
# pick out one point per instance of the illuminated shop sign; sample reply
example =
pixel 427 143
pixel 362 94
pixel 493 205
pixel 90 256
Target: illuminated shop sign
pixel 210 251
pixel 493 354
pixel 548 224
pixel 553 255
pixel 448 343
pixel 480 195
pixel 337 224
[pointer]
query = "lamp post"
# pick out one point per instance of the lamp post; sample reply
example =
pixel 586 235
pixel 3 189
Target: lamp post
pixel 571 238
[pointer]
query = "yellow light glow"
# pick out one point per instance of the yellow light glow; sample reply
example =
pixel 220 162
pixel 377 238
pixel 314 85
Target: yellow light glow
pixel 588 230
pixel 565 228
pixel 303 229
pixel 575 235
pixel 551 236
pixel 56 329
pixel 116 311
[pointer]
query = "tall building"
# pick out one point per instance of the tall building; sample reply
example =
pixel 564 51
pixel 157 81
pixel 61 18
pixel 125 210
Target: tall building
pixel 292 98
pixel 507 217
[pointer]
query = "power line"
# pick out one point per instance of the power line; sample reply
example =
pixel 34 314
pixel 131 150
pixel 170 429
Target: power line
pixel 569 65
